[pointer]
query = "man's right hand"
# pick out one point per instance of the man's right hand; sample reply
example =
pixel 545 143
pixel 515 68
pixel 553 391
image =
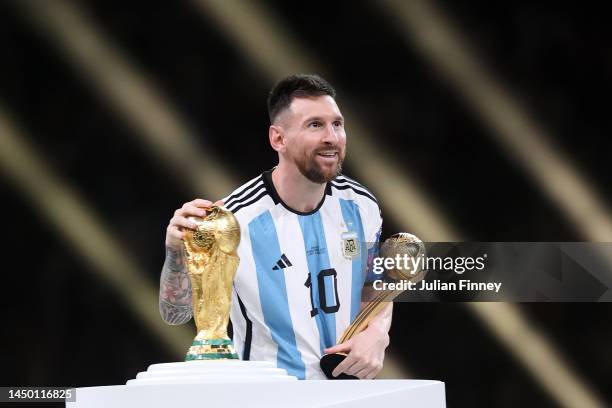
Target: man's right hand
pixel 178 223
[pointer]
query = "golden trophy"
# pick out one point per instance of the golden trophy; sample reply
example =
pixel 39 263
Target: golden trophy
pixel 212 262
pixel 400 244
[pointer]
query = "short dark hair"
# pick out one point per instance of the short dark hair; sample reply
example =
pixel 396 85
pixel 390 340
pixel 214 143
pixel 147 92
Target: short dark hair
pixel 296 86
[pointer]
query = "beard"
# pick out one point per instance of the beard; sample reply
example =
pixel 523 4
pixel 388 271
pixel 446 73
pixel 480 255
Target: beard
pixel 310 168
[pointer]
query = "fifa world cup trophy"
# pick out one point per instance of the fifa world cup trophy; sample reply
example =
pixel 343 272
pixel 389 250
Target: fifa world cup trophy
pixel 400 244
pixel 212 262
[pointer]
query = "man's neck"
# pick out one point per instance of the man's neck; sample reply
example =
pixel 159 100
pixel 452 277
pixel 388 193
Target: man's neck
pixel 299 193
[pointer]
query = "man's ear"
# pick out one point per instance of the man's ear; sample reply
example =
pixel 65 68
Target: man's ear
pixel 277 138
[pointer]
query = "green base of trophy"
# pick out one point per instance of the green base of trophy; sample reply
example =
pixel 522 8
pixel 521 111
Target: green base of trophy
pixel 211 349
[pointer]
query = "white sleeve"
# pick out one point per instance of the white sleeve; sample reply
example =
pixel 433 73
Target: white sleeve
pixel 373 223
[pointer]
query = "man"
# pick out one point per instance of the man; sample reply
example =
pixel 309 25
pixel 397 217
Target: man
pixel 301 272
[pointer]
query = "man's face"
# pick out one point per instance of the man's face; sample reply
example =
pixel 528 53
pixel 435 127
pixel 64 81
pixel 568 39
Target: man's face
pixel 314 137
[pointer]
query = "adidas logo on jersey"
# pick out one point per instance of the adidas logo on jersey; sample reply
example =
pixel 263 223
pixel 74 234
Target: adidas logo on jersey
pixel 282 263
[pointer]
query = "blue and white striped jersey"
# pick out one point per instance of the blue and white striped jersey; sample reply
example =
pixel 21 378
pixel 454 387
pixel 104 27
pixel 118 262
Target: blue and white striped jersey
pixel 299 282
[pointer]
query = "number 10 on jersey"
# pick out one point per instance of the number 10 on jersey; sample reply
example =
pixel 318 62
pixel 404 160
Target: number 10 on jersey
pixel 327 292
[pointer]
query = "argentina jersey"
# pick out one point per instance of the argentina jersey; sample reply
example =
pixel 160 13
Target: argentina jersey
pixel 299 281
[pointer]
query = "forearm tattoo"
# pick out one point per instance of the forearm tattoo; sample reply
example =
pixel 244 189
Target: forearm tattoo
pixel 175 289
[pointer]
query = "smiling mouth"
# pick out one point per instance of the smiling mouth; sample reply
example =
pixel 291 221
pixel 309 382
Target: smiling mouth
pixel 328 155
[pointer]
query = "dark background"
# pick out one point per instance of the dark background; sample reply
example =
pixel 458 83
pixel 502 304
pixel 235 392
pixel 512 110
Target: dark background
pixel 66 326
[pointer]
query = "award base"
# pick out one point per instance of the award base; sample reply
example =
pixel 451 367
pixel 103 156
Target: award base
pixel 329 362
pixel 211 371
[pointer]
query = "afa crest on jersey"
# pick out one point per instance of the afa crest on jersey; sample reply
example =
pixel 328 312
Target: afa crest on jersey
pixel 350 245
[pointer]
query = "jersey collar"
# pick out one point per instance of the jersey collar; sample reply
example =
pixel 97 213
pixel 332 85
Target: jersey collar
pixel 269 185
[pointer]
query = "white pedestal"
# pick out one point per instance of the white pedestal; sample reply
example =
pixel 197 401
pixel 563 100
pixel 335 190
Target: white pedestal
pixel 211 371
pixel 241 384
